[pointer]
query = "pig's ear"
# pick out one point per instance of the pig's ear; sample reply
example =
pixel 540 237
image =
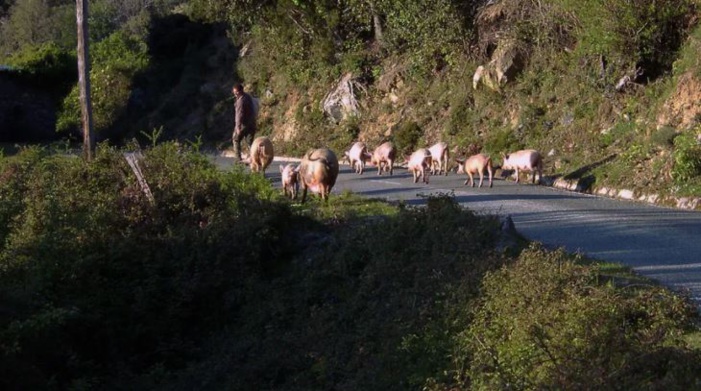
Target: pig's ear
pixel 297 168
pixel 281 169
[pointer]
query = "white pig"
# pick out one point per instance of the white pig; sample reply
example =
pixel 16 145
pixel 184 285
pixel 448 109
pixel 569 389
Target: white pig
pixel 439 158
pixel 383 157
pixel 525 160
pixel 262 154
pixel 357 156
pixel 419 162
pixel 290 180
pixel 318 172
pixel 476 164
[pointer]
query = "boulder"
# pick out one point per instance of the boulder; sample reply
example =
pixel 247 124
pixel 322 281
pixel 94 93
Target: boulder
pixel 341 103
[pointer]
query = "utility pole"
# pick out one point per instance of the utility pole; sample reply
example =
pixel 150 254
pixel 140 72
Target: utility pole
pixel 81 13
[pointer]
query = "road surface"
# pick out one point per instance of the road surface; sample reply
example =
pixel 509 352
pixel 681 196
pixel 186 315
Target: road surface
pixel 661 243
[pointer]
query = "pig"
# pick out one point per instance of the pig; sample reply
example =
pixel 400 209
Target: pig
pixel 526 160
pixel 439 158
pixel 418 163
pixel 476 164
pixel 383 157
pixel 357 156
pixel 290 180
pixel 262 154
pixel 318 172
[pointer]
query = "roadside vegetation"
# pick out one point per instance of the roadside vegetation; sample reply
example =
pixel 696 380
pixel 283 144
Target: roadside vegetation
pixel 221 283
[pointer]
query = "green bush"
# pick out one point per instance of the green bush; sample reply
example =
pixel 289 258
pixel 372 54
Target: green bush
pixel 383 291
pixel 664 137
pixel 432 34
pixel 687 158
pixel 315 130
pixel 502 141
pixel 344 135
pixel 548 323
pixel 463 117
pixel 46 65
pixel 647 34
pixel 406 138
pixel 100 284
pixel 115 61
pixel 36 22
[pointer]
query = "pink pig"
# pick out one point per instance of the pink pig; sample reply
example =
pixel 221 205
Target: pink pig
pixel 439 158
pixel 357 156
pixel 383 157
pixel 476 164
pixel 318 172
pixel 526 160
pixel 290 180
pixel 262 154
pixel 419 163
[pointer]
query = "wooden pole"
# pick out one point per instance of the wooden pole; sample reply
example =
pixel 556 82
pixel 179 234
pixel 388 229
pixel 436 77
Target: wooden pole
pixel 84 79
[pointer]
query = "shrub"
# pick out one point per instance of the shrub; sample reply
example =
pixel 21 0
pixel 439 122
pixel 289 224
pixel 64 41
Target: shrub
pixel 387 291
pixel 463 117
pixel 315 129
pixel 432 34
pixel 687 158
pixel 646 34
pixel 99 283
pixel 340 137
pixel 406 138
pixel 46 65
pixel 664 137
pixel 115 61
pixel 548 323
pixel 502 141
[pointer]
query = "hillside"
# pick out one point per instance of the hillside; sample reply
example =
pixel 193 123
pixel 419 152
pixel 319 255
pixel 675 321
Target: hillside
pixel 620 121
pixel 609 92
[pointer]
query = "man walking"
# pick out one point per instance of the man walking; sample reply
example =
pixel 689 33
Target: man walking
pixel 245 126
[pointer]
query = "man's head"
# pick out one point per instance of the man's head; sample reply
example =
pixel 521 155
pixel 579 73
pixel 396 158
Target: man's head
pixel 238 89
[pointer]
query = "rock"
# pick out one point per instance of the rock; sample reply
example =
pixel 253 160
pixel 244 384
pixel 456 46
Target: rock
pixel 341 103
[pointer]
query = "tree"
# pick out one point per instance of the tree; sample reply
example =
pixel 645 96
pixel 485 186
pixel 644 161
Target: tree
pixel 84 78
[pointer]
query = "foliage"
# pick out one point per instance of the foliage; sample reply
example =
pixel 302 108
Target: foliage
pixel 344 135
pixel 107 17
pixel 36 22
pixel 664 137
pixel 45 65
pixel 105 288
pixel 99 282
pixel 644 33
pixel 406 137
pixel 114 62
pixel 547 323
pixel 432 33
pixel 687 159
pixel 386 291
pixel 502 141
pixel 316 130
pixel 688 59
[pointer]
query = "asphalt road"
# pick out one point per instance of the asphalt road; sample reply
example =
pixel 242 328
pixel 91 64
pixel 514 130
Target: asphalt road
pixel 660 243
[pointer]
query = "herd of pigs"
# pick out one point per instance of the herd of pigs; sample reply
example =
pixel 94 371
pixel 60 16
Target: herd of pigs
pixel 318 169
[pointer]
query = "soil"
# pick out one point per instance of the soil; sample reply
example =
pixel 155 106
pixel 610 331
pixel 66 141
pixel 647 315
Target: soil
pixel 683 107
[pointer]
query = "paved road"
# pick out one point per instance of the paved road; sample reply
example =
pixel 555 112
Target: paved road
pixel 660 243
